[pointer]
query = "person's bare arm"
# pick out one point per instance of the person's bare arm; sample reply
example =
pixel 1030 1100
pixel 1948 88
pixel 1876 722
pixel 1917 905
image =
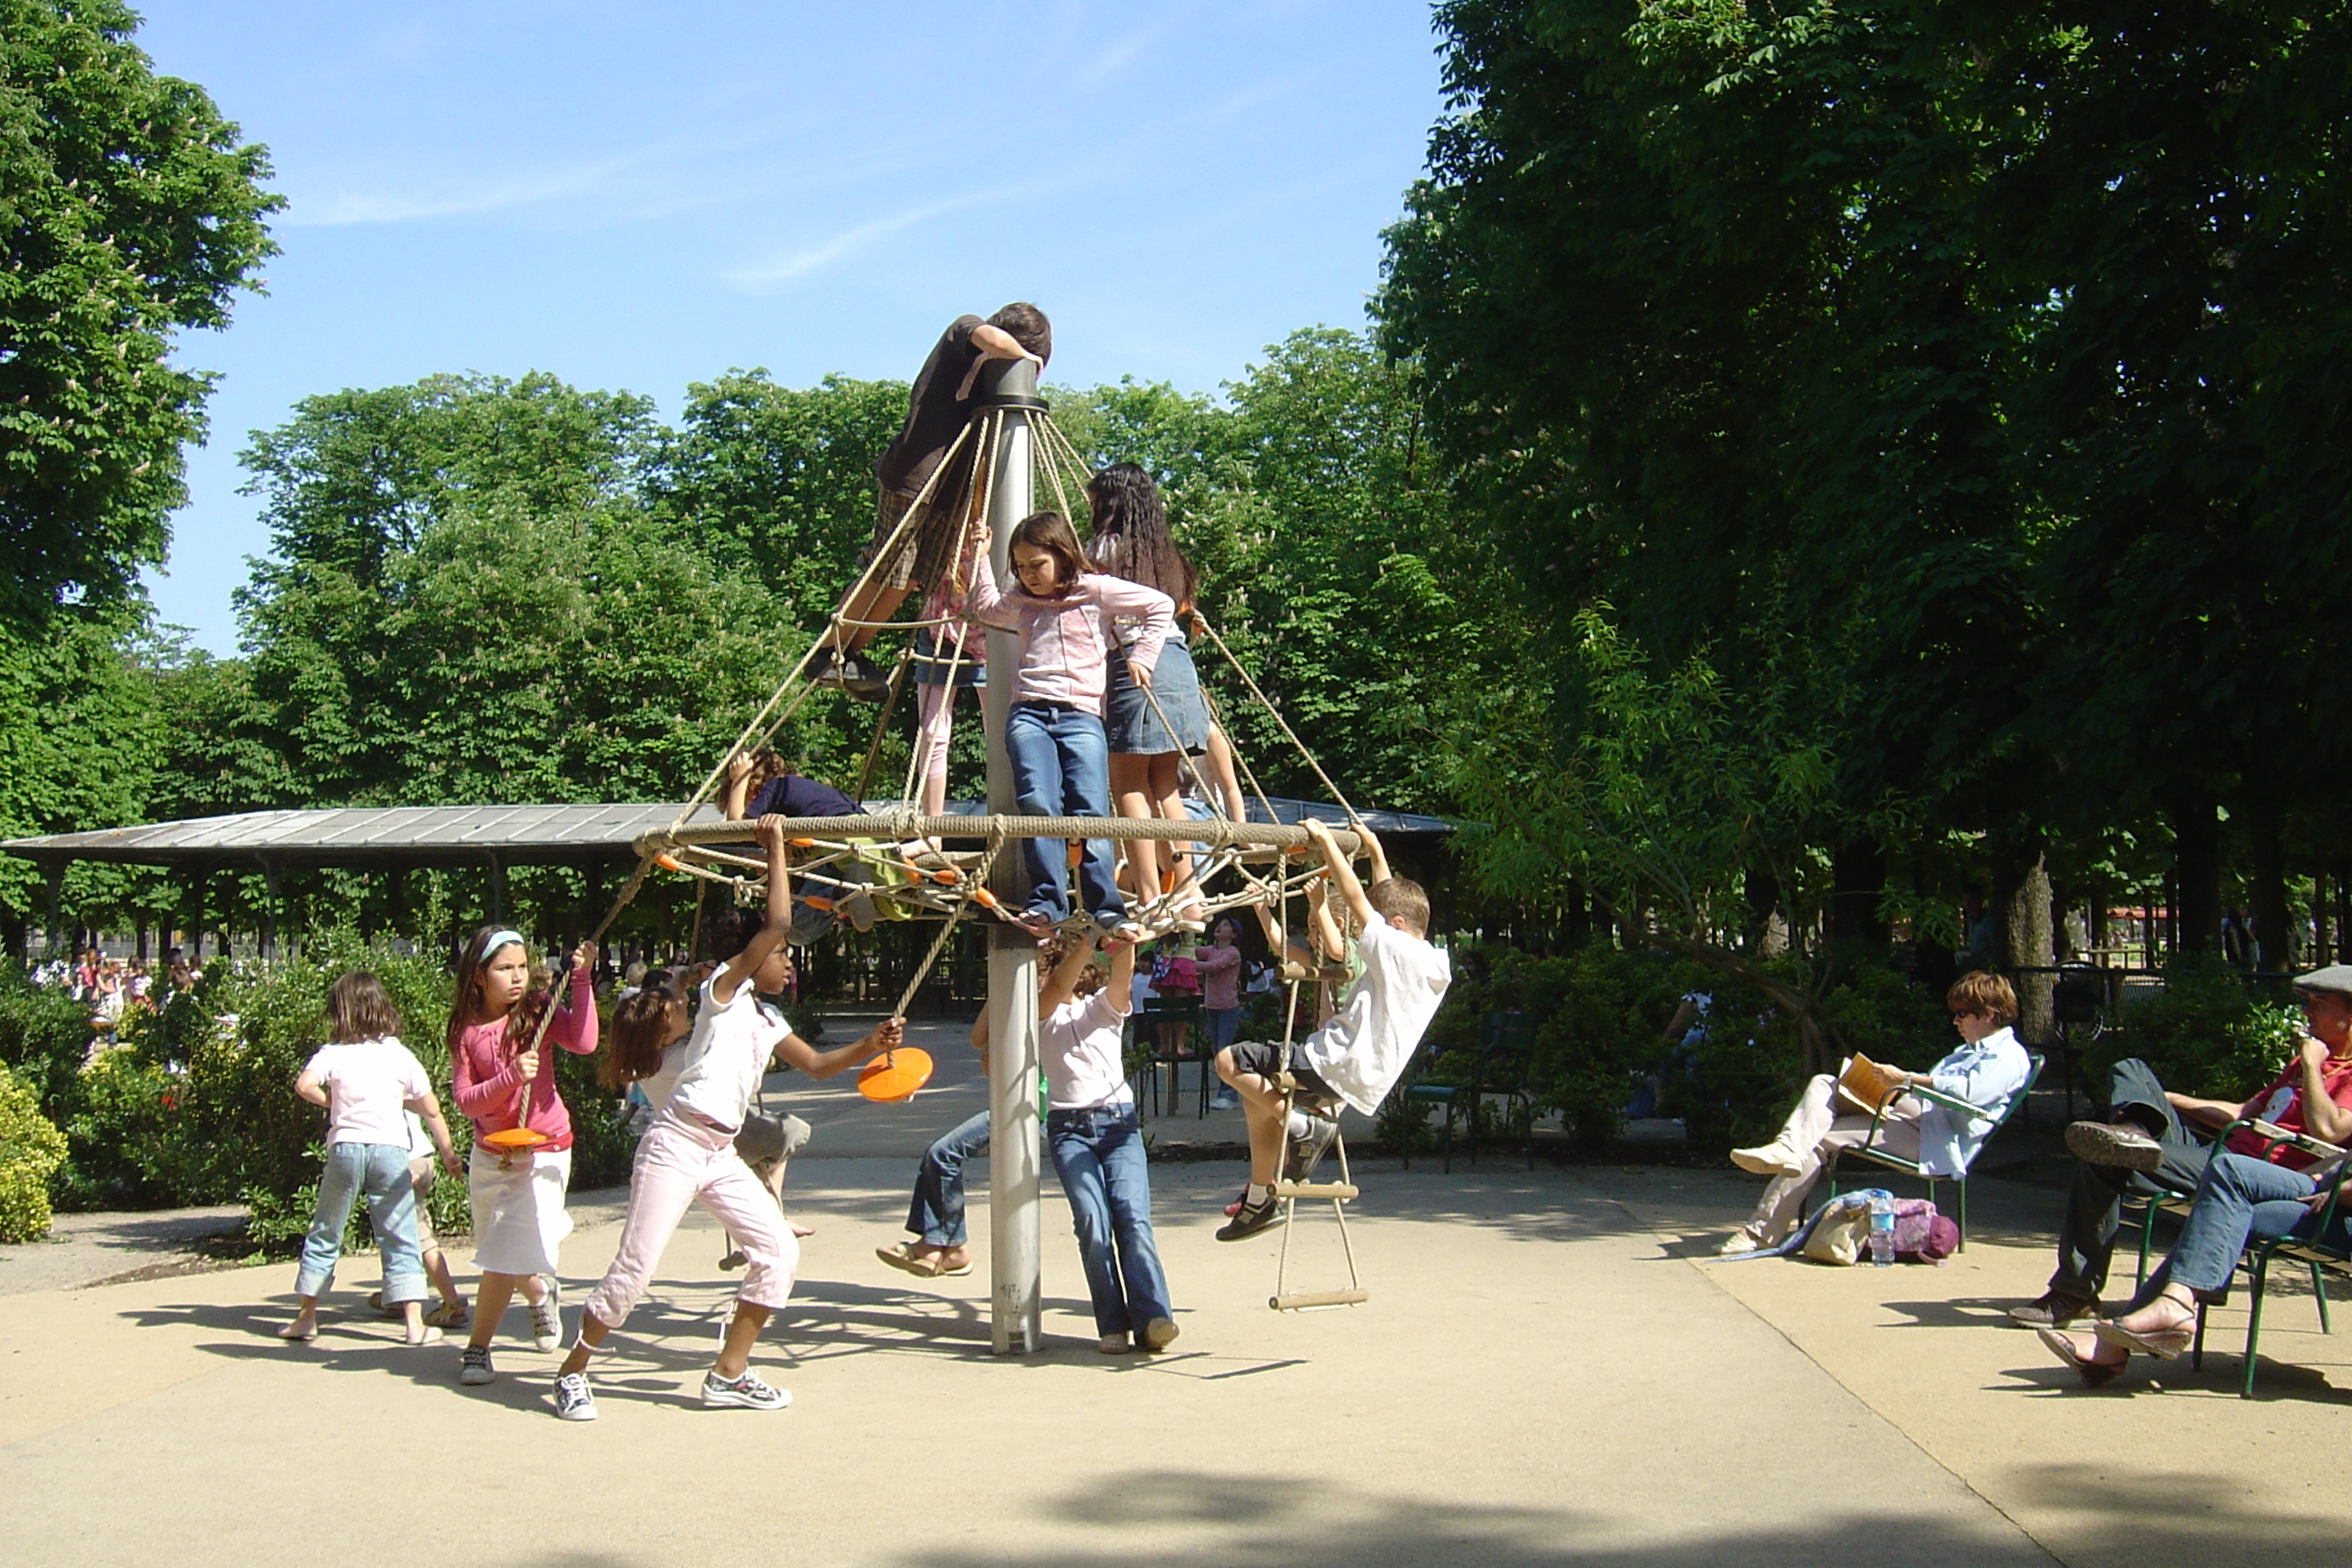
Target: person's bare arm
pixel 309 1086
pixel 739 969
pixel 2211 1112
pixel 427 1108
pixel 1330 943
pixel 1063 984
pixel 2322 1117
pixel 1373 854
pixel 739 785
pixel 794 1051
pixel 1122 978
pixel 1343 875
pixel 995 342
pixel 980 1040
pixel 1279 940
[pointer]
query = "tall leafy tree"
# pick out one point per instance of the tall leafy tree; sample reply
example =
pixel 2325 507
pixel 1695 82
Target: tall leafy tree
pixel 129 210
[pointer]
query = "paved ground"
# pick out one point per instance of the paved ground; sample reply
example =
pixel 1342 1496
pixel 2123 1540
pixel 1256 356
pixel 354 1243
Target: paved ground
pixel 1544 1375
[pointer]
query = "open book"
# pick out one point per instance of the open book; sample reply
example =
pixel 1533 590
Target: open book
pixel 1866 1084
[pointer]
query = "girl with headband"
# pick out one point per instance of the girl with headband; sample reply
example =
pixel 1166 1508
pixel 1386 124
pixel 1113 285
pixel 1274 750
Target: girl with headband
pixel 502 1079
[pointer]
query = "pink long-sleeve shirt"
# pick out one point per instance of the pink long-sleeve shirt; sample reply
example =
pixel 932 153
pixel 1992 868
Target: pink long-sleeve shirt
pixel 487 1089
pixel 1066 643
pixel 1219 968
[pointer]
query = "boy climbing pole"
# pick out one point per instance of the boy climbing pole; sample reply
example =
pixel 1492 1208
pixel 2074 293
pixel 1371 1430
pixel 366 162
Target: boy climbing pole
pixel 938 408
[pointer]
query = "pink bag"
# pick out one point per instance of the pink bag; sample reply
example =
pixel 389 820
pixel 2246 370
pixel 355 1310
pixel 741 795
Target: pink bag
pixel 1921 1235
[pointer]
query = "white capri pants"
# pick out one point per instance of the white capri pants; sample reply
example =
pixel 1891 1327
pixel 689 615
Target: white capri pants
pixel 680 1161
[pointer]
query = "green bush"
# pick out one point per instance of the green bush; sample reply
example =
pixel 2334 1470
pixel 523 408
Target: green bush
pixel 44 1036
pixel 31 1149
pixel 2206 1033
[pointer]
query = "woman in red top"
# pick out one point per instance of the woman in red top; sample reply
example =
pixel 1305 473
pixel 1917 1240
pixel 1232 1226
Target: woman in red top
pixel 500 1079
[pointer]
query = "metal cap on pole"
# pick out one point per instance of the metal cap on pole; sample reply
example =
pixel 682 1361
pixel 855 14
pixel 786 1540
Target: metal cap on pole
pixel 1005 392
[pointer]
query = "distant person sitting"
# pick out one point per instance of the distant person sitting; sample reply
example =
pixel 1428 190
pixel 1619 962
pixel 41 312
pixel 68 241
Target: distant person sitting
pixel 1987 1071
pixel 938 407
pixel 2145 1145
pixel 2241 1195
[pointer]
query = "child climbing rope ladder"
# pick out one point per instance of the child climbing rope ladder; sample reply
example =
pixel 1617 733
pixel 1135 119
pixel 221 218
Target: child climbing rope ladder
pixel 1359 1053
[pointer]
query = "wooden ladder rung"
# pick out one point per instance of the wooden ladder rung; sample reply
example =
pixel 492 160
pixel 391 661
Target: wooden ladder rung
pixel 1300 1299
pixel 1341 1190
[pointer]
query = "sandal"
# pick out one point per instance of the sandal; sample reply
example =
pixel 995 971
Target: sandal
pixel 294 1333
pixel 921 1264
pixel 2094 1373
pixel 2165 1345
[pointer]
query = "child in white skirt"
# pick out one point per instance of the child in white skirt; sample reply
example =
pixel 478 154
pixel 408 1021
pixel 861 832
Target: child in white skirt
pixel 497 1075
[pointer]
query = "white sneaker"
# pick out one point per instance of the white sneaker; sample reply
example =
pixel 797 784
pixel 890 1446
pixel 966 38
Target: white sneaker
pixel 1160 1334
pixel 574 1399
pixel 547 1317
pixel 1773 1159
pixel 746 1392
pixel 473 1368
pixel 1738 1244
pixel 1116 1345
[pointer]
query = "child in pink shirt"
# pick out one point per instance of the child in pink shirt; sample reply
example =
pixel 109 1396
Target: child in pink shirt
pixel 1054 734
pixel 502 1078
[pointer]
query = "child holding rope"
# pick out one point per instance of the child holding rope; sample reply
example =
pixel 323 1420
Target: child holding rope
pixel 500 1076
pixel 1098 1147
pixel 369 1083
pixel 1151 728
pixel 688 1155
pixel 1362 1050
pixel 1054 734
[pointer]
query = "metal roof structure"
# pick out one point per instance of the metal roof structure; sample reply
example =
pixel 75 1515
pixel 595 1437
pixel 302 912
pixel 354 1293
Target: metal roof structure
pixel 387 837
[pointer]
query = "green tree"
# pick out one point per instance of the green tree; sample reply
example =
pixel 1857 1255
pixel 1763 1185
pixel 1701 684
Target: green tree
pixel 129 210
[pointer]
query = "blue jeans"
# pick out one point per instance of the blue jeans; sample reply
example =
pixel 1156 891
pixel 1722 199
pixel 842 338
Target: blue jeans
pixel 380 1171
pixel 1221 1025
pixel 2237 1200
pixel 1098 1154
pixel 1061 767
pixel 936 1212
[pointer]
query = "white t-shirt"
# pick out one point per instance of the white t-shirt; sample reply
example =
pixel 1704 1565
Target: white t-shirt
pixel 658 1085
pixel 1079 1044
pixel 1361 1052
pixel 368 1084
pixel 726 1057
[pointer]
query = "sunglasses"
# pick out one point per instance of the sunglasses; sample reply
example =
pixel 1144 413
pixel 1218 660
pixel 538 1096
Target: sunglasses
pixel 1959 1013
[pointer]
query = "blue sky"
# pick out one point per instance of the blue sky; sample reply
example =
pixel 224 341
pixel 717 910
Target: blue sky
pixel 644 195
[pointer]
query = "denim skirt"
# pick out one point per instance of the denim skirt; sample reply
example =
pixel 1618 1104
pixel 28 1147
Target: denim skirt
pixel 1129 718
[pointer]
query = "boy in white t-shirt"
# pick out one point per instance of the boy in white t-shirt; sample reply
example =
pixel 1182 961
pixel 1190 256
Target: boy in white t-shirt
pixel 1362 1049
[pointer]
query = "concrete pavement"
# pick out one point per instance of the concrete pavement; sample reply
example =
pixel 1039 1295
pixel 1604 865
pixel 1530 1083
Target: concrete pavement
pixel 1544 1374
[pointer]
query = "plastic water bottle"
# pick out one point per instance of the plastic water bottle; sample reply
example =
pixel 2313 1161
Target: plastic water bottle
pixel 1882 1231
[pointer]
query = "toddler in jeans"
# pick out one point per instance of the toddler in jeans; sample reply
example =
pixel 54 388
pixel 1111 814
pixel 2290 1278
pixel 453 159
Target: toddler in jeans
pixel 368 1082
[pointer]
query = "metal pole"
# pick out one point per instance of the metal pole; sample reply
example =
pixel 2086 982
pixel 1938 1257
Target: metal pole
pixel 1015 1137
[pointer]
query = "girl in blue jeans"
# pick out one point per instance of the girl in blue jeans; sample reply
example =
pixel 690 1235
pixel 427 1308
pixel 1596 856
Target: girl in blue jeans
pixel 1097 1148
pixel 368 1082
pixel 1054 732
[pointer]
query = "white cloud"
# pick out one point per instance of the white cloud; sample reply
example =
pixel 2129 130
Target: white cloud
pixel 803 260
pixel 462 197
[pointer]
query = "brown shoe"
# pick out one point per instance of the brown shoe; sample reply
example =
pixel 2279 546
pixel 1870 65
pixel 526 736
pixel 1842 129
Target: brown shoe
pixel 2114 1143
pixel 2054 1310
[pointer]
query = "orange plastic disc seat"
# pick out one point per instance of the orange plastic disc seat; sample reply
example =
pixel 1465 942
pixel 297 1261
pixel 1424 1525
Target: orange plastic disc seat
pixel 895 1075
pixel 514 1140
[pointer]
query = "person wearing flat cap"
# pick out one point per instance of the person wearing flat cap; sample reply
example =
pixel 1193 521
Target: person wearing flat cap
pixel 2144 1146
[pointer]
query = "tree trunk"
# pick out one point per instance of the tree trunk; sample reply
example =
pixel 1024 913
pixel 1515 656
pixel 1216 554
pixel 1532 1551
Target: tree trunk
pixel 2274 943
pixel 2197 874
pixel 1858 884
pixel 2026 948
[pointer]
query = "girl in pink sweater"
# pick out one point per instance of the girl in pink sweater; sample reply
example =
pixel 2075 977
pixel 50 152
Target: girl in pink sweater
pixel 1054 734
pixel 500 1079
